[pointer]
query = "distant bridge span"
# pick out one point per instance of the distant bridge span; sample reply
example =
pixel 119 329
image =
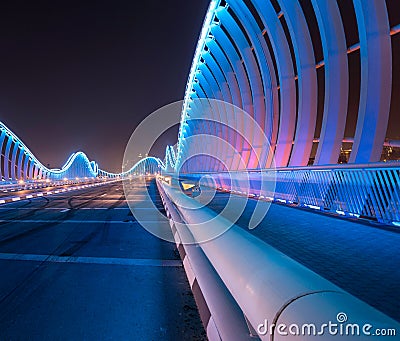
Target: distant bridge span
pixel 19 163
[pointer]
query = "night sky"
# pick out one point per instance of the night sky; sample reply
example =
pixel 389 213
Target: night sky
pixel 80 75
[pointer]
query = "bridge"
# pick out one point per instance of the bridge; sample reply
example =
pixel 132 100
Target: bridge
pixel 275 216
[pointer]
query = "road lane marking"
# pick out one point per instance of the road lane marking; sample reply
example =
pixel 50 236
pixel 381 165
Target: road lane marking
pixel 65 210
pixel 31 208
pixel 22 221
pixel 60 208
pixel 92 260
pixel 16 199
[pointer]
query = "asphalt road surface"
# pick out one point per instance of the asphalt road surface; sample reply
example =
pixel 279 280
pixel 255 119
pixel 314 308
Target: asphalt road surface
pixel 77 265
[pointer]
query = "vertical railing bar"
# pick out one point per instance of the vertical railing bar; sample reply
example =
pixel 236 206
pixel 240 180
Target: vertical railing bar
pixel 370 194
pixel 362 196
pixel 396 182
pixel 339 197
pixel 390 216
pixel 353 192
pixel 376 197
pixel 385 196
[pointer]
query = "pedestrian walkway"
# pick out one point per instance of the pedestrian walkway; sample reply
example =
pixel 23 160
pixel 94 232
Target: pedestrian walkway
pixel 361 259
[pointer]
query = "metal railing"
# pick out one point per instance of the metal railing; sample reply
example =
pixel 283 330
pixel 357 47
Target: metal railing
pixel 266 284
pixel 369 191
pixel 14 186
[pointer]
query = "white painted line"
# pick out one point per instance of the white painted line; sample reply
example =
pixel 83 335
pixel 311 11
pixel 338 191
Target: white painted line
pixel 2 201
pixel 50 221
pixel 39 194
pixel 65 210
pixel 16 199
pixel 29 196
pixel 56 191
pixel 92 260
pixel 31 208
pixel 49 192
pixel 61 208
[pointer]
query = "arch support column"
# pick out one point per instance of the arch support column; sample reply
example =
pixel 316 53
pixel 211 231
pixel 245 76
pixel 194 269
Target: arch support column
pixel 376 80
pixel 336 81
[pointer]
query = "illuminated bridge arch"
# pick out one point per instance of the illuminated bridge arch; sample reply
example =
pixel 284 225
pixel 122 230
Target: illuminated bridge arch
pixel 19 163
pixel 147 166
pixel 270 57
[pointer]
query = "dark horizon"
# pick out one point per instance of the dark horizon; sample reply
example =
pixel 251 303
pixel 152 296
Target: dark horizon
pixel 81 76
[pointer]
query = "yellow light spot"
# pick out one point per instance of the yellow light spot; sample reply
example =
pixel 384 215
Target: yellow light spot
pixel 187 186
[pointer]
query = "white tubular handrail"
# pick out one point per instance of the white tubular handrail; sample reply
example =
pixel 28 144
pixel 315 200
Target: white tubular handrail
pixel 268 285
pixel 226 321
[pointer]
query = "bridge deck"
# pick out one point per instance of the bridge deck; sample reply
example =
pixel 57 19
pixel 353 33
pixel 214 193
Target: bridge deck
pixel 78 266
pixel 361 259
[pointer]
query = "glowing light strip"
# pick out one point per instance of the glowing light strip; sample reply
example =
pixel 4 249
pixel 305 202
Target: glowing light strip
pixel 56 171
pixel 199 50
pixel 133 168
pixel 84 162
pixel 170 157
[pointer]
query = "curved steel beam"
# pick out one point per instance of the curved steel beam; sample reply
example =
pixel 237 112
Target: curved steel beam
pixel 256 87
pixel 284 63
pixel 336 81
pixel 267 75
pixel 376 80
pixel 306 83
